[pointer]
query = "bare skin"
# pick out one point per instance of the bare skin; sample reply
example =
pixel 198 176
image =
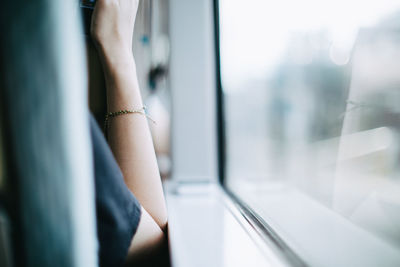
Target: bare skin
pixel 129 135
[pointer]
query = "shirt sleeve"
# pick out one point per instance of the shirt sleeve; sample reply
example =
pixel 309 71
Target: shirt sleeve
pixel 118 211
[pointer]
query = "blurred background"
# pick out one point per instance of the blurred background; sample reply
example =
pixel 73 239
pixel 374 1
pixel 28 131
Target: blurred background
pixel 312 99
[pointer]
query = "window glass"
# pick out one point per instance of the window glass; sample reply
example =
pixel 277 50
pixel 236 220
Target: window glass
pixel 312 120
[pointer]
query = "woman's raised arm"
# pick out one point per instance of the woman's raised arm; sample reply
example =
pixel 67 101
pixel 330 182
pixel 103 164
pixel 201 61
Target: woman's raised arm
pixel 128 134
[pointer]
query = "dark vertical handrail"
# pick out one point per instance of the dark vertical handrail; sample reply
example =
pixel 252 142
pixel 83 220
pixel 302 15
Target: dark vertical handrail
pixel 220 99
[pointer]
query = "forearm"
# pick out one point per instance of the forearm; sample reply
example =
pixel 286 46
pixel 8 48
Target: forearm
pixel 129 136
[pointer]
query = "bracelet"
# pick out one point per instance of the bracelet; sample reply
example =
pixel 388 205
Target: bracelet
pixel 142 111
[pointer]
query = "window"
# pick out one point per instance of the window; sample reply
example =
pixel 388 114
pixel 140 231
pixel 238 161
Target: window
pixel 311 93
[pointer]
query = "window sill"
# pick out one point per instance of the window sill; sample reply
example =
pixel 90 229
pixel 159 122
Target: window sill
pixel 205 229
pixel 320 236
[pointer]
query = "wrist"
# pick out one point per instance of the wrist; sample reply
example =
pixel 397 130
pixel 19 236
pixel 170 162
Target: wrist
pixel 118 66
pixel 121 81
pixel 115 55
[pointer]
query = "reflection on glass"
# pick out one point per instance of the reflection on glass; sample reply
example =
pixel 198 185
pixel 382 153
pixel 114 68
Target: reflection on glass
pixel 312 103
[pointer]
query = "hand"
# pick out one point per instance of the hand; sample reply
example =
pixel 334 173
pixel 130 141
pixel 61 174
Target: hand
pixel 112 28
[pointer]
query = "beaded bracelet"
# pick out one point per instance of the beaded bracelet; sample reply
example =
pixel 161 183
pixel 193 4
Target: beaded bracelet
pixel 142 111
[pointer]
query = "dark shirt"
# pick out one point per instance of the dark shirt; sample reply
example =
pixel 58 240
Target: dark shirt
pixel 118 211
